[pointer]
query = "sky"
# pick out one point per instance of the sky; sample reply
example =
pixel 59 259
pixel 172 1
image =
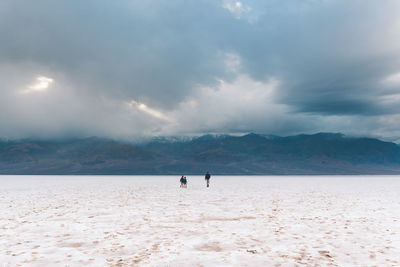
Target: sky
pixel 127 69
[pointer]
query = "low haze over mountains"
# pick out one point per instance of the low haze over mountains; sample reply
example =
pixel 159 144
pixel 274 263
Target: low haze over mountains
pixel 323 153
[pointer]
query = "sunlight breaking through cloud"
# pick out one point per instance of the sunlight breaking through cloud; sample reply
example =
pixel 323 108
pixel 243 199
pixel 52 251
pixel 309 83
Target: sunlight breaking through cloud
pixel 150 111
pixel 41 84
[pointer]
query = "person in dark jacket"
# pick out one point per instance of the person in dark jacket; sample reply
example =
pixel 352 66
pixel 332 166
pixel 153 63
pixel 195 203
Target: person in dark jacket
pixel 184 182
pixel 207 178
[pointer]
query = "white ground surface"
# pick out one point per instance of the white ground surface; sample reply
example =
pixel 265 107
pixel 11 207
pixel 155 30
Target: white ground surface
pixel 238 221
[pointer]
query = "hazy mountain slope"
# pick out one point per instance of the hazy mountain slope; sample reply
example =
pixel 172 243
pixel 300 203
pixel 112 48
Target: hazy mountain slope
pixel 322 153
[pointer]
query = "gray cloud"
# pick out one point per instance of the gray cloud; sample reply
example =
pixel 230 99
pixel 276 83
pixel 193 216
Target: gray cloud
pixel 280 67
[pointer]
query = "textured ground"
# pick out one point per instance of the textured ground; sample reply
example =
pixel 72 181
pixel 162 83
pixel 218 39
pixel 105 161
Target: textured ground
pixel 238 221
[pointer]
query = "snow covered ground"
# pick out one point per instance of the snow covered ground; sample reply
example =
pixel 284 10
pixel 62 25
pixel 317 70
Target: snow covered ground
pixel 238 221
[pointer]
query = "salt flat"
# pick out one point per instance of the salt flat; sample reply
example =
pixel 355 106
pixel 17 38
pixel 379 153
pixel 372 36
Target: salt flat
pixel 238 221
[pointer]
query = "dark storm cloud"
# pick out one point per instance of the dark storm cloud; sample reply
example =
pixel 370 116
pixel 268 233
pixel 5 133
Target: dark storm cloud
pixel 332 59
pixel 332 55
pixel 137 48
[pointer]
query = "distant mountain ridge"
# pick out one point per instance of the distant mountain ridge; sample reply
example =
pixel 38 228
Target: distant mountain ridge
pixel 322 153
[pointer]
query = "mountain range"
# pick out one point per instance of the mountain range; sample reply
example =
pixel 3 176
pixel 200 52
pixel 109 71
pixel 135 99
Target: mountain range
pixel 251 154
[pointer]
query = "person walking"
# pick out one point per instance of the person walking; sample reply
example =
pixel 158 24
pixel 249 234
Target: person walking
pixel 207 178
pixel 184 182
pixel 181 180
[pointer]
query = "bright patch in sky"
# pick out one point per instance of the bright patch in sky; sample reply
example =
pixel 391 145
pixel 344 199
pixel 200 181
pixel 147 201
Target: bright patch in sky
pixel 235 7
pixel 150 111
pixel 393 79
pixel 41 84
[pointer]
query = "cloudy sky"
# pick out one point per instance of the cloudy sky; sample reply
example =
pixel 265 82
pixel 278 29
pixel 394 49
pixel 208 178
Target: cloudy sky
pixel 129 68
